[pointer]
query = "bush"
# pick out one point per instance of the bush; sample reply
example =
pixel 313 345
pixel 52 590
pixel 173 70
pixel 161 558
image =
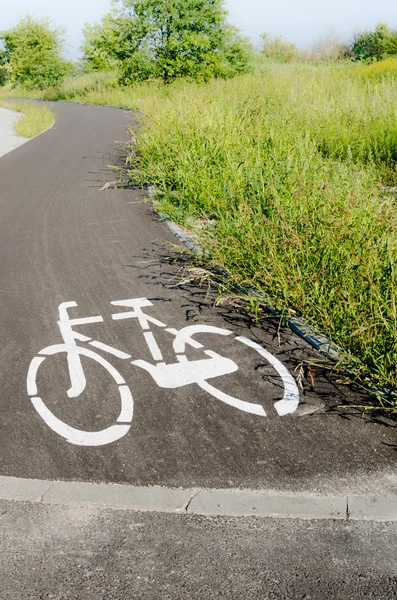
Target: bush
pixel 375 45
pixel 139 67
pixel 98 45
pixel 330 47
pixel 3 76
pixel 278 50
pixel 32 54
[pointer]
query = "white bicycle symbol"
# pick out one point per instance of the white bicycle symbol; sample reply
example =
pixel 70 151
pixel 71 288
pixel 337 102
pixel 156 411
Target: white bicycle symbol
pixel 181 373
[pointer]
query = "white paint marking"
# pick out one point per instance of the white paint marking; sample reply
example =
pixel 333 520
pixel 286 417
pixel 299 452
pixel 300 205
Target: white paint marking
pixel 31 381
pixel 76 436
pixel 71 434
pixel 191 342
pixel 290 401
pixel 110 368
pixel 76 372
pixel 85 320
pixel 110 350
pixel 153 346
pixel 249 407
pixel 81 337
pixel 127 405
pixel 185 372
pixel 184 336
pixel 137 304
pixel 175 375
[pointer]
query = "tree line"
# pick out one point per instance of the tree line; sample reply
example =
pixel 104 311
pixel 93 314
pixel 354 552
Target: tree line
pixel 367 46
pixel 162 39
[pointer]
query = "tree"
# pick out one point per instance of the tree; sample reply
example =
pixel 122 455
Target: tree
pixel 236 55
pixel 169 39
pixel 99 46
pixel 32 53
pixel 3 68
pixel 277 49
pixel 330 47
pixel 375 45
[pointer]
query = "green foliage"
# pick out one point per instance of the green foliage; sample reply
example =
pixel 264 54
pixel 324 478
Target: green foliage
pixel 138 67
pixel 236 56
pixel 32 53
pixel 295 171
pixel 3 70
pixel 382 69
pixel 283 167
pixel 278 50
pixel 168 39
pixel 375 45
pixel 99 45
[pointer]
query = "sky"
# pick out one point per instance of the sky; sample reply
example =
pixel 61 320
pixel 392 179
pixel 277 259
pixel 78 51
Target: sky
pixel 298 21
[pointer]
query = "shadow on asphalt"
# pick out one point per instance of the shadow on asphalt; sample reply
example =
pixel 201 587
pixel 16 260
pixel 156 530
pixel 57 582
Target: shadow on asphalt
pixel 166 266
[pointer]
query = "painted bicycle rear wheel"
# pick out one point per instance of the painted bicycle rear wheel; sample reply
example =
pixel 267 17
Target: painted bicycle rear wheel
pixel 71 434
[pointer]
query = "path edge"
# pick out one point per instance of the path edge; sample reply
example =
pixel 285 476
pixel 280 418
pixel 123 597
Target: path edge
pixel 201 501
pixel 298 325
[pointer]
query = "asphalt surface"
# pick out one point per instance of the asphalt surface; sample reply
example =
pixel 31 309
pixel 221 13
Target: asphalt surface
pixel 62 239
pixel 68 553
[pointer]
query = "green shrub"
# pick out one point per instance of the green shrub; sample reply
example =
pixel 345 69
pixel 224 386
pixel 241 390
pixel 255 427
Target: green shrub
pixel 33 54
pixel 278 50
pixel 167 39
pixel 375 45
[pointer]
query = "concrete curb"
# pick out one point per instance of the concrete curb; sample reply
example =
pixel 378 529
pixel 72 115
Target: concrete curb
pixel 227 503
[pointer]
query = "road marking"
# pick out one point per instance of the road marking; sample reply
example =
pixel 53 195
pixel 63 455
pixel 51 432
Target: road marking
pixel 31 381
pixel 110 350
pixel 76 436
pixel 290 400
pixel 173 375
pixel 249 407
pixel 153 346
pixel 193 343
pixel 69 433
pixel 85 321
pixel 137 304
pixel 127 405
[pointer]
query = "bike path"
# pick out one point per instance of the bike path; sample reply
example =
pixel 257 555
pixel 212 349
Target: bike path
pixel 63 240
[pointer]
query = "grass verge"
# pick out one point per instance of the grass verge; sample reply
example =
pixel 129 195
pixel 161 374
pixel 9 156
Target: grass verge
pixel 288 178
pixel 36 118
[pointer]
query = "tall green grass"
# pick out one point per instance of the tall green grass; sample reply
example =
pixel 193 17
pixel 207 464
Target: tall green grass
pixel 288 170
